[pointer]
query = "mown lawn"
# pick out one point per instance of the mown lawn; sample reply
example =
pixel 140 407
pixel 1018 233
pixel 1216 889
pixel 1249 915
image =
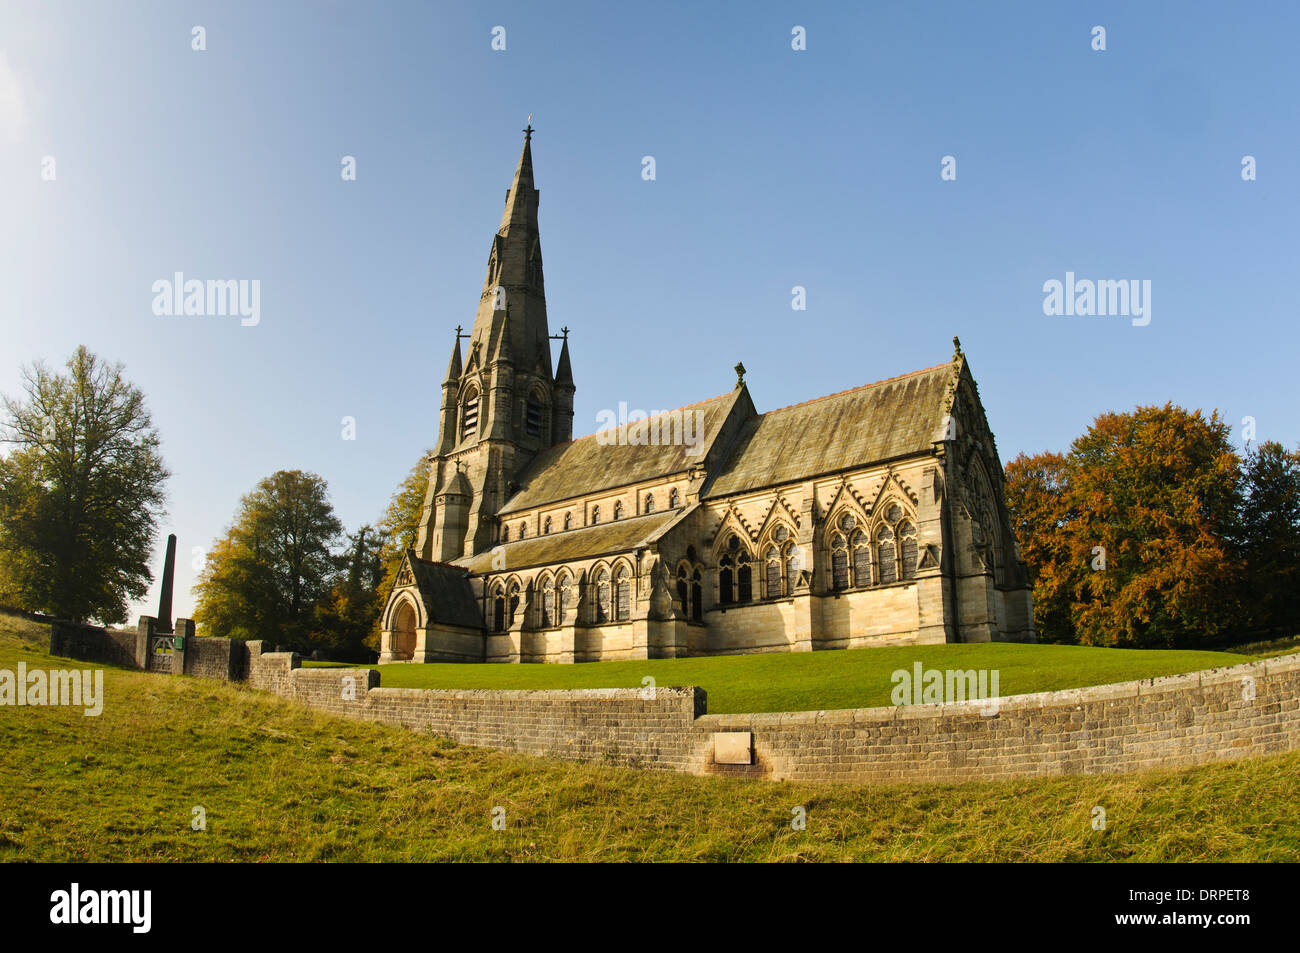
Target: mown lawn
pixel 857 678
pixel 279 782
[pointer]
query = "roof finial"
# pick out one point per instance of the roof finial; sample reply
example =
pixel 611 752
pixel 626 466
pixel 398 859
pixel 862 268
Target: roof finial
pixel 956 347
pixel 528 133
pixel 740 374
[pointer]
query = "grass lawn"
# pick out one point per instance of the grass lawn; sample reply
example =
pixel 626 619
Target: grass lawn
pixel 811 681
pixel 280 782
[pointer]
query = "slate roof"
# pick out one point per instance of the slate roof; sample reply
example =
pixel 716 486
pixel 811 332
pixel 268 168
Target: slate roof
pixel 588 465
pixel 602 539
pixel 446 593
pixel 882 421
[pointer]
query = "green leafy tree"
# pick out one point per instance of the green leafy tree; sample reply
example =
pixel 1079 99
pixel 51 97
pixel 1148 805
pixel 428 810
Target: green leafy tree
pixel 1038 501
pixel 1268 539
pixel 266 576
pixel 345 618
pixel 81 492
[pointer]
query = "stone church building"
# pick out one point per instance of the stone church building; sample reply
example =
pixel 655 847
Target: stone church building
pixel 874 516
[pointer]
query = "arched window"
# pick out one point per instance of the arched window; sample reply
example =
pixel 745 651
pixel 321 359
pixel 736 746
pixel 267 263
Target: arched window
pixel 861 558
pixel 505 534
pixel 907 550
pixel 726 580
pixel 513 606
pixel 885 555
pixel 561 597
pixel 772 564
pixel 523 530
pixel 684 591
pixel 601 606
pixel 546 526
pixel 469 414
pixel 744 578
pixel 533 415
pixel 595 515
pixel 568 521
pixel 673 499
pixel 790 557
pixel 546 612
pixel 499 611
pixel 622 594
pixel 839 563
pixel 697 595
pixel 650 503
pixel 618 509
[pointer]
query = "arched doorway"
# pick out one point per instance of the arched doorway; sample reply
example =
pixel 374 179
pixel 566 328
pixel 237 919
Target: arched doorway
pixel 404 631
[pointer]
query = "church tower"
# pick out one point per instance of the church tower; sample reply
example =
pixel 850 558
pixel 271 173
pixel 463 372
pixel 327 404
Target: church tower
pixel 502 404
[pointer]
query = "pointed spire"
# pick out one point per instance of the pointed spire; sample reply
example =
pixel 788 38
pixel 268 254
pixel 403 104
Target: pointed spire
pixel 521 200
pixel 454 367
pixel 563 370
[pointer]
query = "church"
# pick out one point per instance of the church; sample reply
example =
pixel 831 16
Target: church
pixel 870 517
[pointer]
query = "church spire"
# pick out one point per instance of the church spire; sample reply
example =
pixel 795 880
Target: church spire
pixel 521 200
pixel 563 369
pixel 454 366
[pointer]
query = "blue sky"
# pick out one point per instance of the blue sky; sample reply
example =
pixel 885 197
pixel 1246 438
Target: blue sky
pixel 775 168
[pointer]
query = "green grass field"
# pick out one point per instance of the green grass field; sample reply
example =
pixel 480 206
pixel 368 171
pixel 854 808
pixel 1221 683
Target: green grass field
pixel 814 681
pixel 280 782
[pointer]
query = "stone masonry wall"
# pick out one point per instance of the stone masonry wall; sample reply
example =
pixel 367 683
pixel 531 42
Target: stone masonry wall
pixel 90 643
pixel 1242 711
pixel 1184 720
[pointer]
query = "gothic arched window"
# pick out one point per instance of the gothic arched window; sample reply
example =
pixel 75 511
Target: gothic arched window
pixel 726 580
pixel 744 578
pixel 673 499
pixel 513 605
pixel 523 530
pixel 622 594
pixel 546 526
pixel 907 550
pixel 601 602
pixel 684 591
pixel 839 563
pixel 595 515
pixel 568 521
pixel 561 597
pixel 650 503
pixel 772 564
pixel 618 509
pixel 499 611
pixel 505 534
pixel 861 558
pixel 697 596
pixel 885 555
pixel 546 614
pixel 469 414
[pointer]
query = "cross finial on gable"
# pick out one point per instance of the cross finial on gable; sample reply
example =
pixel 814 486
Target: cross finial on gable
pixel 740 374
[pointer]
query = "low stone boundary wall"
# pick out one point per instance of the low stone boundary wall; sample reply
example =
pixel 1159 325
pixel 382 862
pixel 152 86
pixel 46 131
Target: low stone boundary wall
pixel 1180 721
pixel 90 643
pixel 1242 711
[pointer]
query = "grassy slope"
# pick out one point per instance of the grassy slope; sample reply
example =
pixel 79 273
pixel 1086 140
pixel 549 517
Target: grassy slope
pixel 823 680
pixel 281 782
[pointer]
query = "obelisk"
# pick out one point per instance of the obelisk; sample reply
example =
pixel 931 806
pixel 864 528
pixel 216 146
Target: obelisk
pixel 165 594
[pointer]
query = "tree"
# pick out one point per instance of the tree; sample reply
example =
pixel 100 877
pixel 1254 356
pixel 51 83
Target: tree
pixel 264 578
pixel 346 616
pixel 1128 537
pixel 1268 539
pixel 1037 500
pixel 81 495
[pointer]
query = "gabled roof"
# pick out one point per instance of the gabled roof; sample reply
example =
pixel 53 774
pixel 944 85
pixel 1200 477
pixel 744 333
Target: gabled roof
pixel 603 539
pixel 882 421
pixel 607 460
pixel 445 591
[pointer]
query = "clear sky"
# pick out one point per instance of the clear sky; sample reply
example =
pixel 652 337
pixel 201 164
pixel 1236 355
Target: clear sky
pixel 774 168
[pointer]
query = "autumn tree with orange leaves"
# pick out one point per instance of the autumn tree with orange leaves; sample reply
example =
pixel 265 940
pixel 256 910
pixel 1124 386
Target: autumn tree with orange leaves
pixel 1127 537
